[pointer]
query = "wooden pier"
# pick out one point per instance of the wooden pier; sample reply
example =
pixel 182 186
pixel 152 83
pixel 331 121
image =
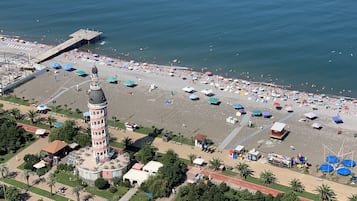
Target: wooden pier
pixel 77 38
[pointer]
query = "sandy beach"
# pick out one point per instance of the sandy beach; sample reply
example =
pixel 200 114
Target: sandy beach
pixel 169 107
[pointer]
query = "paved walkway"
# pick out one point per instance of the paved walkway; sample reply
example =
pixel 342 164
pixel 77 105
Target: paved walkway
pixel 129 194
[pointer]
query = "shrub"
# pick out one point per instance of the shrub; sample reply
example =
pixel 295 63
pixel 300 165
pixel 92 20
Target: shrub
pixel 64 167
pixel 113 189
pixel 101 183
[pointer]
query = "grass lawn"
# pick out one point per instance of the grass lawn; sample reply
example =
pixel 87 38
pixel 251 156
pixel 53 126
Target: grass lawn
pixel 67 178
pixel 21 167
pixel 6 157
pixel 116 144
pixel 35 190
pixel 15 99
pixel 139 196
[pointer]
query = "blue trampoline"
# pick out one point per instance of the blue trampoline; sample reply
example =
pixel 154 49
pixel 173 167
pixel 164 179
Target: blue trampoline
pixel 343 171
pixel 348 163
pixel 326 167
pixel 332 159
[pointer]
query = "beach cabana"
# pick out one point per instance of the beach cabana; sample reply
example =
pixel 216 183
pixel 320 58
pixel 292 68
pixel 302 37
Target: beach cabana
pixel 55 65
pixel 348 163
pixel 316 125
pixel 257 113
pixel 194 97
pixel 343 171
pixel 337 119
pixel 58 124
pixel 278 130
pixel 266 114
pixel 214 101
pixel 326 167
pixel 112 79
pixel 332 159
pixel 237 106
pixel 42 107
pixel 129 83
pixel 81 73
pixel 310 115
pixel 68 67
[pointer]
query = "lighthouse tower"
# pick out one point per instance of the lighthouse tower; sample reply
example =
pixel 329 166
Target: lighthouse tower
pixel 98 105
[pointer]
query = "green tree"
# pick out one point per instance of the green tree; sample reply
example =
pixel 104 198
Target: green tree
pixel 64 133
pixel 290 196
pixel 325 193
pixel 244 170
pixel 145 154
pixel 157 185
pixel 51 182
pixel 352 197
pixel 32 115
pixel 51 120
pixel 296 185
pixel 27 174
pixel 77 190
pixel 4 170
pixel 12 194
pixel 192 157
pixel 12 137
pixel 267 177
pixel 15 112
pixel 82 139
pixel 101 183
pixel 215 163
pixel 127 141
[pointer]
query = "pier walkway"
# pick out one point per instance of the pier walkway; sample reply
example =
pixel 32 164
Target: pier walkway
pixel 77 38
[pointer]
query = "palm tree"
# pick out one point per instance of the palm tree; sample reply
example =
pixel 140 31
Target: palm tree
pixel 51 120
pixel 27 173
pixel 76 190
pixel 32 115
pixel 296 185
pixel 114 120
pixel 4 170
pixel 325 193
pixel 126 141
pixel 352 197
pixel 267 177
pixel 15 112
pixel 51 182
pixel 244 170
pixel 215 163
pixel 192 157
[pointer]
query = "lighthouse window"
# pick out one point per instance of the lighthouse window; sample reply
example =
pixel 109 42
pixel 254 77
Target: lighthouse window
pixel 102 120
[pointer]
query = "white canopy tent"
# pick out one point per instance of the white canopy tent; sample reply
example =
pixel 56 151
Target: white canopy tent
pixel 198 161
pixel 316 125
pixel 40 165
pixel 40 131
pixel 207 92
pixel 188 89
pixel 310 115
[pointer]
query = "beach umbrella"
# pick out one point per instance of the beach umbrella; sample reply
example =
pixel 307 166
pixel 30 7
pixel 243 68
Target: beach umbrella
pixel 316 125
pixel 214 101
pixel 209 73
pixel 112 79
pixel 348 163
pixel 289 108
pixel 343 171
pixel 242 111
pixel 194 97
pixel 257 112
pixel 310 115
pixel 68 67
pixel 337 119
pixel 276 104
pixel 81 73
pixel 326 167
pixel 266 114
pixel 332 159
pixel 129 83
pixel 55 65
pixel 237 106
pixel 42 107
pixel 58 124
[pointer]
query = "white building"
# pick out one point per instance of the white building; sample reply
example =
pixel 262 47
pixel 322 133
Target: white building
pixel 139 176
pixel 152 167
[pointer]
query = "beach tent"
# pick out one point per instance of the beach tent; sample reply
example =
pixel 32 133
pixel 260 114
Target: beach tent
pixel 214 101
pixel 348 163
pixel 337 119
pixel 332 159
pixel 310 115
pixel 68 67
pixel 129 83
pixel 55 65
pixel 58 124
pixel 194 97
pixel 257 112
pixel 198 161
pixel 343 171
pixel 188 89
pixel 266 114
pixel 81 73
pixel 207 92
pixel 237 106
pixel 112 79
pixel 326 167
pixel 316 125
pixel 289 108
pixel 42 107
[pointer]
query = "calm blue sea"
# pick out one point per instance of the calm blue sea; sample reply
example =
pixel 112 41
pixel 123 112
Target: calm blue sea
pixel 311 45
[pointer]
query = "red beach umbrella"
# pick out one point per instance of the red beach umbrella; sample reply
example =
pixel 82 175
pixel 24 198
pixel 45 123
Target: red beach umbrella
pixel 276 104
pixel 209 73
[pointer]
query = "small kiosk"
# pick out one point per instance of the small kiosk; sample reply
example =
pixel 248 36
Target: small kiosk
pixel 254 155
pixel 278 131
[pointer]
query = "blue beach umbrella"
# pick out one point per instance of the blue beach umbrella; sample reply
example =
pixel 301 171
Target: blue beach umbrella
pixel 343 171
pixel 326 167
pixel 214 101
pixel 55 65
pixel 237 106
pixel 348 163
pixel 68 67
pixel 332 159
pixel 112 79
pixel 257 112
pixel 81 73
pixel 194 97
pixel 129 83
